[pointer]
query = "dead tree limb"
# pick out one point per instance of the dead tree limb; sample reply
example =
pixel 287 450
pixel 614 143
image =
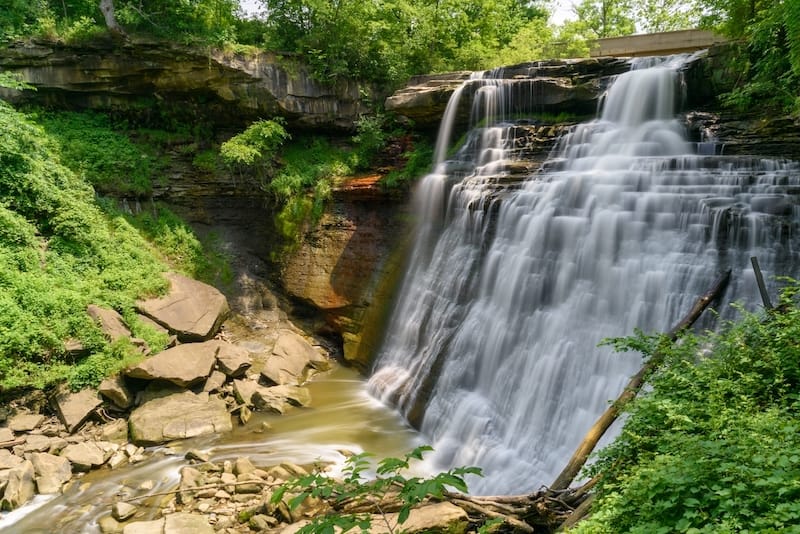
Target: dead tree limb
pixel 578 460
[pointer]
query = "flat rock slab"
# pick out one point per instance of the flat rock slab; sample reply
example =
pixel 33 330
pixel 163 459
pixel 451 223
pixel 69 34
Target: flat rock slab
pixel 85 456
pixel 440 518
pixel 74 408
pixel 184 365
pixel 192 310
pixel 183 523
pixel 25 422
pixel 178 416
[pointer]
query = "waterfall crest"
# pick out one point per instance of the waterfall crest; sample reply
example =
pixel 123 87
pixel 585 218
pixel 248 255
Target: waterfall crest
pixel 492 346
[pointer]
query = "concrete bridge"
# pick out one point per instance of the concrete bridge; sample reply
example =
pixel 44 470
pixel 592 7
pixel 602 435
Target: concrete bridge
pixel 655 44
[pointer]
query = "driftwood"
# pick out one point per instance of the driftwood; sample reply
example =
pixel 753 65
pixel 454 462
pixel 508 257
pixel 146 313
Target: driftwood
pixel 578 460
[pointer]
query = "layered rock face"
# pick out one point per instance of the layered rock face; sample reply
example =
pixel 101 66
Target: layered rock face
pixel 144 75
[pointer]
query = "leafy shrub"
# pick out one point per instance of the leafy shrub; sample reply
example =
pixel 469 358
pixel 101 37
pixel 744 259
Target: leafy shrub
pixel 59 252
pixel 418 163
pixel 714 447
pixel 90 145
pixel 355 488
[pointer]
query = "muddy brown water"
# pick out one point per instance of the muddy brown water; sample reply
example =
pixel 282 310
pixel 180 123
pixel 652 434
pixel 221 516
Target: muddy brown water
pixel 342 419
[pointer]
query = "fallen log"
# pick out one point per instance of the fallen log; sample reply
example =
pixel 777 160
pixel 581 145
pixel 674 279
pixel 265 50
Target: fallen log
pixel 578 460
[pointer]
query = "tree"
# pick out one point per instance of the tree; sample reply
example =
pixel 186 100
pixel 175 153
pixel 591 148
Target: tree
pixel 109 14
pixel 606 18
pixel 666 15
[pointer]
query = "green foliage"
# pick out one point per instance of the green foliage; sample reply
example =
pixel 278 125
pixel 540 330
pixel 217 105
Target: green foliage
pixel 607 18
pixel 714 447
pixel 257 144
pixel 355 488
pixel 59 252
pixel 369 140
pixel 178 246
pixel 770 63
pixel 419 162
pixel 94 148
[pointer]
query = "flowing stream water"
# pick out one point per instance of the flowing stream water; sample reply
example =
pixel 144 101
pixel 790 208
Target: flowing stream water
pixel 492 346
pixel 343 418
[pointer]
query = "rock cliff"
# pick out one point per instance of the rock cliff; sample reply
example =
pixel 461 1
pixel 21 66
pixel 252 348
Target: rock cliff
pixel 144 77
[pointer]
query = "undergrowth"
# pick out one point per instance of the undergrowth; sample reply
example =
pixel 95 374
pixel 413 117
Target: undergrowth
pixel 715 446
pixel 61 249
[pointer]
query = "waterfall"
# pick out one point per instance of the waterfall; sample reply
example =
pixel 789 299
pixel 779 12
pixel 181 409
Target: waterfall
pixel 492 345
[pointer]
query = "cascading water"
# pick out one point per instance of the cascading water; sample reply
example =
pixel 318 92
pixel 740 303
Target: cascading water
pixel 492 346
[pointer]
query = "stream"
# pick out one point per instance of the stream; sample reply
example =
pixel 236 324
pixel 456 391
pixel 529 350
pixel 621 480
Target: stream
pixel 342 419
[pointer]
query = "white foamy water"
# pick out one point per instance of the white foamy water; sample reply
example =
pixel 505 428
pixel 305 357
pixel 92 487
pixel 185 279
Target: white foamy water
pixel 492 346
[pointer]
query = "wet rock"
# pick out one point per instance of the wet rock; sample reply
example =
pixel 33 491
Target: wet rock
pixel 190 479
pixel 25 422
pixel 74 409
pixel 51 471
pixel 184 365
pixel 243 465
pixel 84 456
pixel 116 390
pixel 232 360
pixel 279 399
pixel 145 527
pixel 197 455
pixel 192 310
pixel 184 523
pixel 109 525
pixel 244 390
pixel 122 511
pixel 262 522
pixel 116 431
pixel 178 416
pixel 110 322
pixel 20 487
pixel 215 382
pixel 290 358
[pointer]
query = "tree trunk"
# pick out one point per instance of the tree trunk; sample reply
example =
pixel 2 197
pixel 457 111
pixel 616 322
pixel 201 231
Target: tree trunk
pixel 107 8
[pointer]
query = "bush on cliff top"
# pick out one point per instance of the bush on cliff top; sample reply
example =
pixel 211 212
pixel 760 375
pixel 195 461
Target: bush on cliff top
pixel 59 252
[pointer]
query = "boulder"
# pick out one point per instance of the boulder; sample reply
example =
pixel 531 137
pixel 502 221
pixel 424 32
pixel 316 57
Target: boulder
pixel 184 365
pixel 85 455
pixel 178 416
pixel 109 525
pixel 74 408
pixel 122 511
pixel 232 360
pixel 110 322
pixel 52 472
pixel 192 310
pixel 25 422
pixel 20 487
pixel 116 390
pixel 290 358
